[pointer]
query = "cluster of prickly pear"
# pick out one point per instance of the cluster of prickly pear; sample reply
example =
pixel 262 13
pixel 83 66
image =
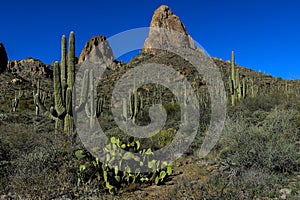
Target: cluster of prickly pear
pixel 114 177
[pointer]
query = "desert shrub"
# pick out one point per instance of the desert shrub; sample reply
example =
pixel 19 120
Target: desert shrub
pixel 34 164
pixel 172 109
pixel 231 183
pixel 262 183
pixel 161 139
pixel 263 102
pixel 44 172
pixel 15 139
pixel 26 104
pixel 271 144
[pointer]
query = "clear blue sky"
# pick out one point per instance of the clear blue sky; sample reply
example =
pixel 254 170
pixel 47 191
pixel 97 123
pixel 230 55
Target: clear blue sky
pixel 265 34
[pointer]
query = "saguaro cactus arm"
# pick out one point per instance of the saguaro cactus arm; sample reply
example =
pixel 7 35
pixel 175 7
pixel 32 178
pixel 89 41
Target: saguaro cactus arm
pixel 59 107
pixel 233 80
pixel 63 64
pixel 42 108
pixel 71 61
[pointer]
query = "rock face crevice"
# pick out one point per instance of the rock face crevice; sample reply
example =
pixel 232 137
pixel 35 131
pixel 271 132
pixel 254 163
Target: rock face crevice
pixel 3 58
pixel 166 29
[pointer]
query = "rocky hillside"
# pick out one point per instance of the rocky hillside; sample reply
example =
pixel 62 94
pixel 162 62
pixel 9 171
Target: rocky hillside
pixel 30 68
pixel 256 156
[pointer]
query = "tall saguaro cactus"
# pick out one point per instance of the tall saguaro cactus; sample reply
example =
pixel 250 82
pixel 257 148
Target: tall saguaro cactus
pixel 63 82
pixel 63 63
pixel 233 83
pixel 63 78
pixel 71 61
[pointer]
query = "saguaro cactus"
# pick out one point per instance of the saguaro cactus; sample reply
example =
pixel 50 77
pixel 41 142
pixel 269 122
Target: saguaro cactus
pixel 233 83
pixel 244 88
pixel 238 85
pixel 63 64
pixel 15 101
pixel 63 78
pixel 134 106
pixel 90 108
pixel 63 82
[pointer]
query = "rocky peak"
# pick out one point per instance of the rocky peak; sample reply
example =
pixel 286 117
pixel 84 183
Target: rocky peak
pixel 164 18
pixel 101 44
pixel 3 58
pixel 29 68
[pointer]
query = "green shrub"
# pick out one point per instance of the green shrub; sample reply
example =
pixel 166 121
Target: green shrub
pixel 44 172
pixel 270 144
pixel 161 139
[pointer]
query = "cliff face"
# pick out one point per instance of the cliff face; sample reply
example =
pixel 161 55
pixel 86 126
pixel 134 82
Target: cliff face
pixel 3 58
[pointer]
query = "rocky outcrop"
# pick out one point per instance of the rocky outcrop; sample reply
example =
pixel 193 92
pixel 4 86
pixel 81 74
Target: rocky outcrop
pixel 3 58
pixel 29 68
pixel 104 48
pixel 164 18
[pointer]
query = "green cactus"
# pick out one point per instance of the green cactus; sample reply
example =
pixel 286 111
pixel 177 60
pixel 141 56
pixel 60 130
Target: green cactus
pixel 244 88
pixel 124 108
pixel 16 100
pixel 254 89
pixel 63 64
pixel 134 106
pixel 68 119
pixel 62 111
pixel 93 108
pixel 38 93
pixel 233 83
pixel 90 107
pixel 238 86
pixel 237 89
pixel 71 61
pixel 100 106
pixel 59 106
